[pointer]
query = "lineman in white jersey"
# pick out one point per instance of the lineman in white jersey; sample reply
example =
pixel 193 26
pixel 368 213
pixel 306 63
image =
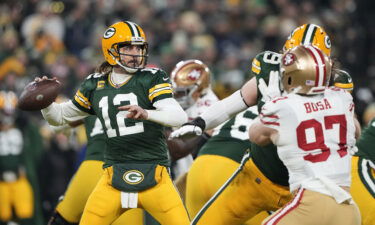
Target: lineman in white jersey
pixel 192 89
pixel 313 127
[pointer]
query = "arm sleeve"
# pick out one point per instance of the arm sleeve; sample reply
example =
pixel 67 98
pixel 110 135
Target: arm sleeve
pixel 63 113
pixel 269 115
pixel 224 110
pixel 168 113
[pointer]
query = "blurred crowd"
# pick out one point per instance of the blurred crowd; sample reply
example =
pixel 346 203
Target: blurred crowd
pixel 63 39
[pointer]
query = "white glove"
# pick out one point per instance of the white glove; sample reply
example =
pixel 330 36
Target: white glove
pixel 63 129
pixel 273 89
pixel 186 131
pixel 353 149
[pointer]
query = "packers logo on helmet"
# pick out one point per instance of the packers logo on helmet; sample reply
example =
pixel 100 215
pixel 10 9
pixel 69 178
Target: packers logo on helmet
pixel 119 35
pixel 309 34
pixel 133 177
pixel 309 73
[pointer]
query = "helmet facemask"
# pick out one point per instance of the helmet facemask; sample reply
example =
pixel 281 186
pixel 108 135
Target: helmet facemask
pixel 133 62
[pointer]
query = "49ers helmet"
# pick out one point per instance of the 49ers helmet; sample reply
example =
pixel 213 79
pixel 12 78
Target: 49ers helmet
pixel 188 77
pixel 305 70
pixel 120 34
pixel 309 34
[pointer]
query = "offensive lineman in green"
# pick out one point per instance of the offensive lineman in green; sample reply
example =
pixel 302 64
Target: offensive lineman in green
pixel 134 104
pixel 261 182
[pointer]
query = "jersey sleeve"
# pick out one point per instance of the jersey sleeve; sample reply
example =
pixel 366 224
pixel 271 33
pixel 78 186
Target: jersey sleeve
pixel 83 95
pixel 270 112
pixel 161 87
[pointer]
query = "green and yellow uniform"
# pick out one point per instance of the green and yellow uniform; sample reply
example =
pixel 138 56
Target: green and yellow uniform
pixel 15 190
pixel 136 143
pixel 261 177
pixel 363 175
pixel 219 158
pixel 88 175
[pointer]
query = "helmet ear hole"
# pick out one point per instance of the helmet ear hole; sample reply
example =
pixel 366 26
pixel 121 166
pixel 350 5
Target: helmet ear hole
pixel 289 80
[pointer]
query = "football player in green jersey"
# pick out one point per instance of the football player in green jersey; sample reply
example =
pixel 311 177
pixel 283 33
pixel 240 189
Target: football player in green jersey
pixel 133 103
pixel 16 194
pixel 363 174
pixel 262 178
pixel 69 210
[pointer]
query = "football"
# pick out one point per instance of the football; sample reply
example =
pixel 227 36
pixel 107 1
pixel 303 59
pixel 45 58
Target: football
pixel 39 95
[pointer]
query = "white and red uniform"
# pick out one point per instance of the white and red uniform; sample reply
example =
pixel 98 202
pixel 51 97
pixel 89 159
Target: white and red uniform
pixel 315 133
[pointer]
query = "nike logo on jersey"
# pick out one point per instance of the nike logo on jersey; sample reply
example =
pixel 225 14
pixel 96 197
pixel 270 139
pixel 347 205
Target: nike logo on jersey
pixel 165 78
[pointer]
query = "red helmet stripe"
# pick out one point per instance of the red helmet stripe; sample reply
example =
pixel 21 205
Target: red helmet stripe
pixel 319 65
pixel 324 65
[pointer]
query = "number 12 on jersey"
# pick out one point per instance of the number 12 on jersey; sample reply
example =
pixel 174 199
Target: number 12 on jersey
pixel 120 116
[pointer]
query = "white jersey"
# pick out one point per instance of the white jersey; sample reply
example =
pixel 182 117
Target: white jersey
pixel 201 105
pixel 183 164
pixel 314 136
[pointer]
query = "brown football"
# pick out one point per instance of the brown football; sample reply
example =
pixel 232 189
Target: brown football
pixel 39 95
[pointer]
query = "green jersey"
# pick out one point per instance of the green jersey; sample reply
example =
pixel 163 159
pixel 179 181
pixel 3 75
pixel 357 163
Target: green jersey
pixel 11 146
pixel 231 139
pixel 96 139
pixel 366 142
pixel 266 158
pixel 129 140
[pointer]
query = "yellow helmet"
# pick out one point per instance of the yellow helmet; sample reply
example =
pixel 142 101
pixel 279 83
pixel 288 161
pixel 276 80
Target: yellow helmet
pixel 305 70
pixel 187 77
pixel 309 34
pixel 124 33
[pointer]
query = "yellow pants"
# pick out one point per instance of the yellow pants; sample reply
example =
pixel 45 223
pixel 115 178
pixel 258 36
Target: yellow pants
pixel 161 201
pixel 79 189
pixel 247 193
pixel 201 186
pixel 363 189
pixel 312 208
pixel 17 195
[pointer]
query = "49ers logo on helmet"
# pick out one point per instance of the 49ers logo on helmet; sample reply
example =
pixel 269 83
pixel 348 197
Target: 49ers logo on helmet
pixel 289 59
pixel 194 74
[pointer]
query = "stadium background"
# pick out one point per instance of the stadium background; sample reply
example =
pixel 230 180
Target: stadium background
pixel 62 39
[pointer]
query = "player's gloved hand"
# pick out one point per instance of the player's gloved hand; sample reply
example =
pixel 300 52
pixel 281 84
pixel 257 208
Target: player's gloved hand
pixel 190 129
pixel 273 89
pixel 353 149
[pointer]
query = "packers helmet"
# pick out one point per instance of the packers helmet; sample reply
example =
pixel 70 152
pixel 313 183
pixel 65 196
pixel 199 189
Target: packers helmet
pixel 305 70
pixel 120 34
pixel 309 34
pixel 188 77
pixel 342 79
pixel 8 104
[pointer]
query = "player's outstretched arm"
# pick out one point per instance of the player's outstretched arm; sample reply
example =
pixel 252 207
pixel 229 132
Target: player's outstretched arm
pixel 168 113
pixel 262 135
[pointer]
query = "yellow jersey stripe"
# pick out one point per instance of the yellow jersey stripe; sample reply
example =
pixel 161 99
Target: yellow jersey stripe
pixel 160 93
pixel 255 69
pixel 256 62
pixel 82 100
pixel 82 103
pixel 160 89
pixel 159 86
